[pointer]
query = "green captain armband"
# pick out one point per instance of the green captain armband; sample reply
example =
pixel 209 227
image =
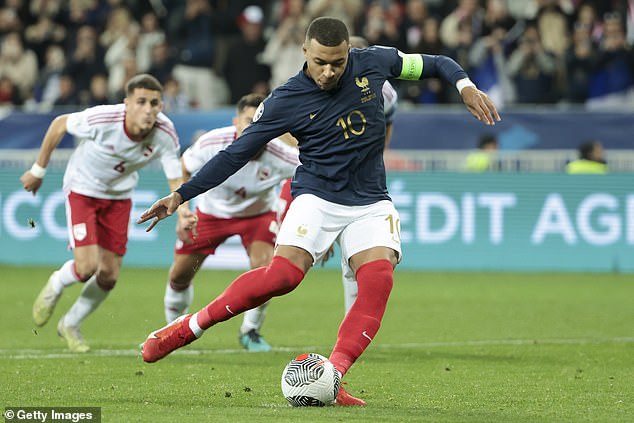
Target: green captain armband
pixel 412 66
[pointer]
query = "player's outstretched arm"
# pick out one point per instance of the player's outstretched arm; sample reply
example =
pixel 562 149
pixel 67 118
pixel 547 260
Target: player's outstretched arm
pixel 163 208
pixel 187 219
pixel 421 66
pixel 480 105
pixel 32 179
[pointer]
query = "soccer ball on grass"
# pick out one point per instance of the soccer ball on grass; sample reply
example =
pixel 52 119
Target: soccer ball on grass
pixel 310 380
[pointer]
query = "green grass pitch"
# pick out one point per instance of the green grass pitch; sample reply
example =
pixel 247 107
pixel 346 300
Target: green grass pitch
pixel 453 347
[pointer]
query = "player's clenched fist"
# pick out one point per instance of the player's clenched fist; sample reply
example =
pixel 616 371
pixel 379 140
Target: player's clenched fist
pixel 30 182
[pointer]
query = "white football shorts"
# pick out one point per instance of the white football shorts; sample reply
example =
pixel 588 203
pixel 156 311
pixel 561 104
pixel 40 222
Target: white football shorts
pixel 313 224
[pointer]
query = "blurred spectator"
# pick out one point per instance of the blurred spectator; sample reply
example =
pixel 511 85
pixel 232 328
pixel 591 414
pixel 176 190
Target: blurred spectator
pixel 68 97
pixel 90 12
pixel 349 11
pixel 382 25
pixel 413 25
pixel 528 9
pixel 174 101
pixel 496 15
pixel 130 69
pixel 242 71
pixel 151 35
pixel 429 42
pixel 460 53
pixel 196 60
pixel 47 85
pixel 587 15
pixel 552 24
pixel 488 56
pixel 580 64
pixel 9 95
pixel 436 7
pixel 117 26
pixel 98 91
pixel 484 159
pixel 522 10
pixel 120 40
pixel 469 15
pixel 532 70
pixel 591 159
pixel 18 64
pixel 86 59
pixel 13 16
pixel 283 51
pixel 45 31
pixel 612 84
pixel 162 63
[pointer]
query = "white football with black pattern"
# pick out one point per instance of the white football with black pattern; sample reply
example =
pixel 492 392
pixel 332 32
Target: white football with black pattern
pixel 310 380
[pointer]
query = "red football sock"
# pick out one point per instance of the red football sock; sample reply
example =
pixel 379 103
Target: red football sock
pixel 375 280
pixel 252 289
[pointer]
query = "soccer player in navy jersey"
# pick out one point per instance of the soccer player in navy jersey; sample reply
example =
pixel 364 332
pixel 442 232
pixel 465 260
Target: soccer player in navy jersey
pixel 334 108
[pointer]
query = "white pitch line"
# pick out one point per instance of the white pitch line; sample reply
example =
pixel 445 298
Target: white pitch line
pixel 29 354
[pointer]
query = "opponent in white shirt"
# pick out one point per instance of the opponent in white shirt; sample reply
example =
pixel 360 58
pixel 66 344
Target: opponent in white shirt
pixel 245 205
pixel 115 141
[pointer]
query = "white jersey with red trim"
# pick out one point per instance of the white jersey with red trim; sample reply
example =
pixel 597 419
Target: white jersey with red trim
pixel 252 190
pixel 105 163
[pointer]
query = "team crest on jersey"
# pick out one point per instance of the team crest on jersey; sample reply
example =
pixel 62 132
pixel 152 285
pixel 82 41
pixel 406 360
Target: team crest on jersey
pixel 258 112
pixel 366 92
pixel 362 83
pixel 80 231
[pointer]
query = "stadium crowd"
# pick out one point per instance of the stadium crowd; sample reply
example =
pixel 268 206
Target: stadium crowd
pixel 208 53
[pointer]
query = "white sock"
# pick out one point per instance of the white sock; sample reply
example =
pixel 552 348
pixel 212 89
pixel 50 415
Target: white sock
pixel 193 325
pixel 350 287
pixel 253 318
pixel 92 295
pixel 177 302
pixel 64 277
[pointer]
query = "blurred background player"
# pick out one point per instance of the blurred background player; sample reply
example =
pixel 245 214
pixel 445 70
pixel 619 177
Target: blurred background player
pixel 244 205
pixel 483 159
pixel 591 159
pixel 114 142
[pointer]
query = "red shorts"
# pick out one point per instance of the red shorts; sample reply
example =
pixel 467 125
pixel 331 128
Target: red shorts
pixel 285 198
pixel 98 221
pixel 213 231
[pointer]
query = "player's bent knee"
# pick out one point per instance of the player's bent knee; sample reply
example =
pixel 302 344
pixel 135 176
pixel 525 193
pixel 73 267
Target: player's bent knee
pixel 106 281
pixel 180 281
pixel 84 271
pixel 376 279
pixel 180 284
pixel 286 275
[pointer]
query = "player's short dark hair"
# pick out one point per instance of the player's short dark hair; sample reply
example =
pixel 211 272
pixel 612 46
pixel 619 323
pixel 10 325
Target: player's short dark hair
pixel 586 149
pixel 329 32
pixel 144 81
pixel 487 139
pixel 249 100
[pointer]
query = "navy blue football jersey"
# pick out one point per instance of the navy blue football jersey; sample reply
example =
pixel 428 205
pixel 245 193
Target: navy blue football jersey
pixel 341 132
